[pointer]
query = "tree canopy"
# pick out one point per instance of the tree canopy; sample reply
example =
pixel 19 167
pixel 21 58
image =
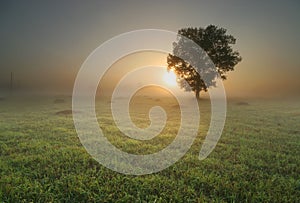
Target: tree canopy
pixel 191 63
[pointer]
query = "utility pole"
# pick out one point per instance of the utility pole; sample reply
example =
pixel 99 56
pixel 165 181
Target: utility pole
pixel 11 81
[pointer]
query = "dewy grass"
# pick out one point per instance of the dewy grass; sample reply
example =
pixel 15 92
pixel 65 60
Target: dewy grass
pixel 256 160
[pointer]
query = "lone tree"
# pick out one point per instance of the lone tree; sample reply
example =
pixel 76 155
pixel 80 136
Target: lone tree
pixel 215 44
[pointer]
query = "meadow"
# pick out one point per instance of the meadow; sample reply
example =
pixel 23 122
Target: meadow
pixel 256 160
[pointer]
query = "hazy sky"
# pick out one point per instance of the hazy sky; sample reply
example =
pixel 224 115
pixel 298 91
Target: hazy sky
pixel 45 43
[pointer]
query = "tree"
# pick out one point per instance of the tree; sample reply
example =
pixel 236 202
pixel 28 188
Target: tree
pixel 215 44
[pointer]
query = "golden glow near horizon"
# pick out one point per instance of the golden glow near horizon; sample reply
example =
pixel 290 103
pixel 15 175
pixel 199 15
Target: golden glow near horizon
pixel 45 58
pixel 170 78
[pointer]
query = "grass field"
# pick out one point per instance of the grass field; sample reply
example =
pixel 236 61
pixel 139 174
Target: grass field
pixel 256 160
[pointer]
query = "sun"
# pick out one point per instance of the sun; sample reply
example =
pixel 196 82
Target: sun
pixel 170 78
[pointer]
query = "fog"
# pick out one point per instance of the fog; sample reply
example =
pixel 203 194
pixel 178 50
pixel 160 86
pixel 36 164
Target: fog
pixel 245 81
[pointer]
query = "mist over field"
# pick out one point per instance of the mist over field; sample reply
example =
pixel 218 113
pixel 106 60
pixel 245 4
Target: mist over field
pixel 46 56
pixel 107 143
pixel 258 84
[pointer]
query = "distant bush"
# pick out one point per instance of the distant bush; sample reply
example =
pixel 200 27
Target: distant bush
pixel 65 112
pixel 242 103
pixel 59 101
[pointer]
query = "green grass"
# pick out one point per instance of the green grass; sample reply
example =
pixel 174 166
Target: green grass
pixel 256 160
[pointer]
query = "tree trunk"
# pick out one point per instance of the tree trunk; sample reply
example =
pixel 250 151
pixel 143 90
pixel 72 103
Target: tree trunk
pixel 197 92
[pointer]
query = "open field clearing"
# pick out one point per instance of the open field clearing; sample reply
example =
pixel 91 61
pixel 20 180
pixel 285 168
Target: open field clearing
pixel 256 160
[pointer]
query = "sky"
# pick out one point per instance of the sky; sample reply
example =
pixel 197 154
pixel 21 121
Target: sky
pixel 44 43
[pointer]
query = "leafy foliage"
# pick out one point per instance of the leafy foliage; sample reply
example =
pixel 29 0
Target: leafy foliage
pixel 192 64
